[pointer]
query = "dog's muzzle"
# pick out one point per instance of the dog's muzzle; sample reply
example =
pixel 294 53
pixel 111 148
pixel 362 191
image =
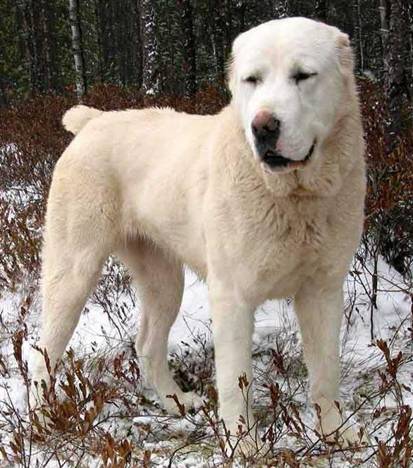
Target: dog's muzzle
pixel 266 130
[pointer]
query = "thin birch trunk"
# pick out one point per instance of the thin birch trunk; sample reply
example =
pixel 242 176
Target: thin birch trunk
pixel 384 24
pixel 77 48
pixel 150 76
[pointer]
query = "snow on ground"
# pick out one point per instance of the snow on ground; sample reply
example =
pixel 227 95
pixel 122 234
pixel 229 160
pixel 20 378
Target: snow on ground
pixel 103 333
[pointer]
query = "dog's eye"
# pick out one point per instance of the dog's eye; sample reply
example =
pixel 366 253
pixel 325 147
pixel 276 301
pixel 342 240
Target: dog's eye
pixel 253 79
pixel 302 76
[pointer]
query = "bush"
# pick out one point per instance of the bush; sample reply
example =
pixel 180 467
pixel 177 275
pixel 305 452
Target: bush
pixel 389 203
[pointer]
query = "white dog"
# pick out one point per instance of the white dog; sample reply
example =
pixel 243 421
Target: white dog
pixel 263 200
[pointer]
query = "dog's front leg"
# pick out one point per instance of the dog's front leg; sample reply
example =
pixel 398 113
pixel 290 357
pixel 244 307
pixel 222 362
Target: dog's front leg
pixel 319 308
pixel 232 325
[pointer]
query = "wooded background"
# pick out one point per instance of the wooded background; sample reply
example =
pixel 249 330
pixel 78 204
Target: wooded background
pixel 176 47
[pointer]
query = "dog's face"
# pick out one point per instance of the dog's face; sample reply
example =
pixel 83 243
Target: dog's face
pixel 287 79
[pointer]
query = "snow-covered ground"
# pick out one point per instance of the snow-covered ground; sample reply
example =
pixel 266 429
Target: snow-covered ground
pixel 107 329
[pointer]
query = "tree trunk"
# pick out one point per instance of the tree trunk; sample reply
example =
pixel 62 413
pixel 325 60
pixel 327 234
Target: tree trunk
pixel 394 16
pixel 131 40
pixel 384 22
pixel 410 70
pixel 151 84
pixel 189 52
pixel 47 52
pixel 138 50
pixel 31 49
pixel 77 48
pixel 321 10
pixel 99 40
pixel 3 94
pixel 218 28
pixel 358 34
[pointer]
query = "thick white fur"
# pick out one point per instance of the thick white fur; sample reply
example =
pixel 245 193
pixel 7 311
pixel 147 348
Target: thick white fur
pixel 77 117
pixel 161 189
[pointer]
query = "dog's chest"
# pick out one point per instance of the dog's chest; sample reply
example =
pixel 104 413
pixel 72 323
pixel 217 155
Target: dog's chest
pixel 281 245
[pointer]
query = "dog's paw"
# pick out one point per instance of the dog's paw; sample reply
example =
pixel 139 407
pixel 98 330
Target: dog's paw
pixel 179 404
pixel 335 428
pixel 242 441
pixel 351 436
pixel 347 435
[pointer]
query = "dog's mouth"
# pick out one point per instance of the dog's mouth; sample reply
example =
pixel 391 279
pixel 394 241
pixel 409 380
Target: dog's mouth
pixel 276 161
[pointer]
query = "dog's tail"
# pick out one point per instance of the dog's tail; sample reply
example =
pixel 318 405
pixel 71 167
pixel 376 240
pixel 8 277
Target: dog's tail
pixel 77 117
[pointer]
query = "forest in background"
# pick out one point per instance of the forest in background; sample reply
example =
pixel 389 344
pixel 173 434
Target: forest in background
pixel 176 47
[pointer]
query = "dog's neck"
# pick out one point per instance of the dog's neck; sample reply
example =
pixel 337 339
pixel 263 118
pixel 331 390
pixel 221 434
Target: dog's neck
pixel 322 177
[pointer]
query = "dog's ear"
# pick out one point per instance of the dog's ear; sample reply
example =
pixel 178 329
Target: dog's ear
pixel 231 78
pixel 345 53
pixel 231 72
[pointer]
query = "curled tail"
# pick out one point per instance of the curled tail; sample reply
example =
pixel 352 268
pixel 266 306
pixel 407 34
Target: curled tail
pixel 77 117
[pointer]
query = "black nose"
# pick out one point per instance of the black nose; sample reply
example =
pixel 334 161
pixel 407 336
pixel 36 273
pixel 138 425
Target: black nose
pixel 266 128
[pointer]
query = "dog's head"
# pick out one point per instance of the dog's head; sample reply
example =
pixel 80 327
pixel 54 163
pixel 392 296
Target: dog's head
pixel 288 79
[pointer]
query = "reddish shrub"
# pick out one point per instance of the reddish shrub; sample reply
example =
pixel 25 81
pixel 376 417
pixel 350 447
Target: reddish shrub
pixel 389 203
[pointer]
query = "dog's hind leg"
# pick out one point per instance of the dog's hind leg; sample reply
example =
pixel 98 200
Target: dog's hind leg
pixel 64 292
pixel 160 281
pixel 76 244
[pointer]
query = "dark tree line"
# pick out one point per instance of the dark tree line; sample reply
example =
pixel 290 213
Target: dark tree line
pixel 178 46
